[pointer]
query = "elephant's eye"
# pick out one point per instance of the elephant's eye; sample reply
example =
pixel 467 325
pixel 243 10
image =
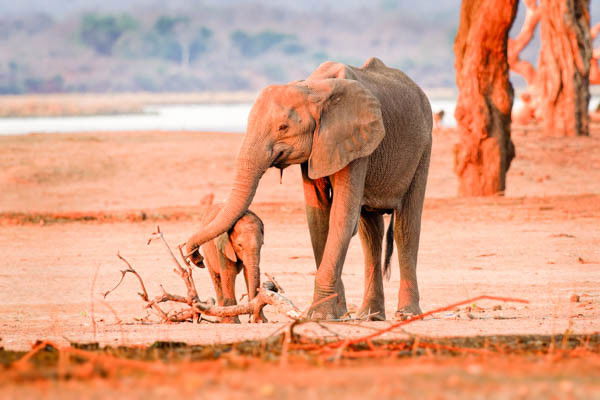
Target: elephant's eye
pixel 282 127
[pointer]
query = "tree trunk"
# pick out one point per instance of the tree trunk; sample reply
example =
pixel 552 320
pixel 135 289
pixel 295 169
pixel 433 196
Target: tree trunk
pixel 485 97
pixel 564 67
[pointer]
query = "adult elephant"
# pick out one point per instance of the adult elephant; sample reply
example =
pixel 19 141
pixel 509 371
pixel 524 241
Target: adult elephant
pixel 362 137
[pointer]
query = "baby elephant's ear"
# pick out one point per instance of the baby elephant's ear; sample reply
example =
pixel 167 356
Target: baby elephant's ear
pixel 350 127
pixel 225 247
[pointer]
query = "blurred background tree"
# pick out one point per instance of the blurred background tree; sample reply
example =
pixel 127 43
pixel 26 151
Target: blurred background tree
pixel 177 39
pixel 101 32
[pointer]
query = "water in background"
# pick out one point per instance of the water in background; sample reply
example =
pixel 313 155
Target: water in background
pixel 206 117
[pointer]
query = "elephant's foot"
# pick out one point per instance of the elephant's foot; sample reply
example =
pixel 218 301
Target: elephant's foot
pixel 341 309
pixel 407 312
pixel 324 310
pixel 371 311
pixel 373 306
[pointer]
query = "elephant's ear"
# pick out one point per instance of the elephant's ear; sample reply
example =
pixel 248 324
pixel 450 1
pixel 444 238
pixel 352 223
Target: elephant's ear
pixel 350 127
pixel 225 247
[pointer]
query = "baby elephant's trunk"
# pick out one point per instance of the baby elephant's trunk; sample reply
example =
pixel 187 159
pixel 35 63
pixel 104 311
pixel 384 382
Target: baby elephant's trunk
pixel 253 275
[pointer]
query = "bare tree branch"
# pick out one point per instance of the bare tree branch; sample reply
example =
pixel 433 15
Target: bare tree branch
pixel 144 294
pixel 267 295
pixel 184 273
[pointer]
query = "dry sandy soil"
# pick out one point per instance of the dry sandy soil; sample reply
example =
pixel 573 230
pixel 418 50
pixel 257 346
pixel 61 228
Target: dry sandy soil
pixel 70 202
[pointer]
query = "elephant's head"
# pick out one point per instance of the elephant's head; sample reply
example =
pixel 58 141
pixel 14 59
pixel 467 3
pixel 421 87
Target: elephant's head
pixel 325 122
pixel 243 243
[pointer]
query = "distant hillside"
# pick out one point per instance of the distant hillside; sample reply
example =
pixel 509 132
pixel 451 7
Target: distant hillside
pixel 187 45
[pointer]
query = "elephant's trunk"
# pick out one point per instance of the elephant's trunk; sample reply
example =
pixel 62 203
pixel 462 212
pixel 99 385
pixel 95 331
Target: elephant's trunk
pixel 249 171
pixel 253 274
pixel 253 281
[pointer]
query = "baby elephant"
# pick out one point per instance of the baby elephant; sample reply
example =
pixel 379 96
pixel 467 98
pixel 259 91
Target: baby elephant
pixel 228 254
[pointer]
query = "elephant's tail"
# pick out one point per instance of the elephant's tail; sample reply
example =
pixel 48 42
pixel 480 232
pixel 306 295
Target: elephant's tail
pixel 389 249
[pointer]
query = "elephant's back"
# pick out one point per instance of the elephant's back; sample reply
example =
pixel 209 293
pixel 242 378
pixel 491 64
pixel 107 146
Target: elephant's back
pixel 394 89
pixel 408 121
pixel 404 102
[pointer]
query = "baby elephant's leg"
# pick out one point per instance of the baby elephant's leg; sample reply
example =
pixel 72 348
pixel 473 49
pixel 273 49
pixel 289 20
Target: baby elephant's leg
pixel 212 262
pixel 216 280
pixel 228 273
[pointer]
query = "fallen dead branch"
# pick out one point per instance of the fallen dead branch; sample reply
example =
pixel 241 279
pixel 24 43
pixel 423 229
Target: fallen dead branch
pixel 268 294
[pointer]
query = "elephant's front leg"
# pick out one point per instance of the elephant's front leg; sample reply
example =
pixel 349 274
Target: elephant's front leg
pixel 228 273
pixel 317 196
pixel 347 185
pixel 212 261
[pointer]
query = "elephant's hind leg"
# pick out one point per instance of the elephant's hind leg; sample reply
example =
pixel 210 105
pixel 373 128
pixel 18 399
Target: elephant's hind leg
pixel 371 237
pixel 406 234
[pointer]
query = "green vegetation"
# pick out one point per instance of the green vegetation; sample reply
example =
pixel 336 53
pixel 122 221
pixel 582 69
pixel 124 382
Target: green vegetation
pixel 101 32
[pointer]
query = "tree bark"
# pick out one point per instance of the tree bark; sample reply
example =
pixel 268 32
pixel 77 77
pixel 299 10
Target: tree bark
pixel 564 67
pixel 485 150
